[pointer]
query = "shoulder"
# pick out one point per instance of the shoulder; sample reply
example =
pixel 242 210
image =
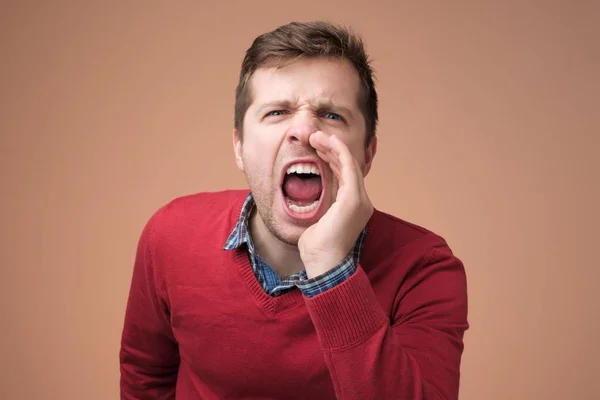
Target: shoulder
pixel 399 230
pixel 403 255
pixel 203 213
pixel 398 237
pixel 203 204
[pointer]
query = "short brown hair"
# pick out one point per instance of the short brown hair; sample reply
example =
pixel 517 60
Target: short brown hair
pixel 309 39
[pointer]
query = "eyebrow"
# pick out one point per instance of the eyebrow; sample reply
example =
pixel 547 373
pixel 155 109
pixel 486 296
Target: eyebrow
pixel 274 104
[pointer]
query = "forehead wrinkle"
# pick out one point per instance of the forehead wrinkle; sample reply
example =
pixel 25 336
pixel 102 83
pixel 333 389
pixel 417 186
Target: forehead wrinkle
pixel 283 89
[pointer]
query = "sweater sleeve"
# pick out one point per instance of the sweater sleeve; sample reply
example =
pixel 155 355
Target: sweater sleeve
pixel 149 357
pixel 412 352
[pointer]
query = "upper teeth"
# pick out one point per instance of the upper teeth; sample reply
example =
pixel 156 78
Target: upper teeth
pixel 303 169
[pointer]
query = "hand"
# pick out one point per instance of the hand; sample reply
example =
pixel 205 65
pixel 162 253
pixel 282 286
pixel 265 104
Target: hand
pixel 325 244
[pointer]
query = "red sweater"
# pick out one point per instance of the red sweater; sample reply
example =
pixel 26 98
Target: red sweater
pixel 198 324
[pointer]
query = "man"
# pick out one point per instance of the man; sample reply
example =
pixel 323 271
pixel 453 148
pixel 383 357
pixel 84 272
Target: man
pixel 298 288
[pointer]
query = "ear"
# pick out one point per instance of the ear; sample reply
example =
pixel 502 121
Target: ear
pixel 237 149
pixel 370 151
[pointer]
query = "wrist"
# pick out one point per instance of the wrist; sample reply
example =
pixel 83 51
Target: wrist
pixel 317 266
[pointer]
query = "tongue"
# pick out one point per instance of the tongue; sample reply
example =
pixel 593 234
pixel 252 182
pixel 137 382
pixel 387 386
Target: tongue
pixel 302 189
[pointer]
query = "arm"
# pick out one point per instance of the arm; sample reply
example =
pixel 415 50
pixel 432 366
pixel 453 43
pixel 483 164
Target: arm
pixel 414 354
pixel 149 357
pixel 410 352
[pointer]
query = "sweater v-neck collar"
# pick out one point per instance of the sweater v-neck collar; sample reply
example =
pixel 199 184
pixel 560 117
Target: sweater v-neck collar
pixel 240 242
pixel 270 305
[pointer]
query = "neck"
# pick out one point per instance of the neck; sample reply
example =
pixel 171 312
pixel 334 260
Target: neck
pixel 282 257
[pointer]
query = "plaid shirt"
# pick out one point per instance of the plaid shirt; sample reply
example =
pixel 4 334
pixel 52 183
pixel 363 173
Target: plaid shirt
pixel 270 280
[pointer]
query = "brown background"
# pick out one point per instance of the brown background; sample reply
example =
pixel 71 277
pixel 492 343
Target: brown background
pixel 489 135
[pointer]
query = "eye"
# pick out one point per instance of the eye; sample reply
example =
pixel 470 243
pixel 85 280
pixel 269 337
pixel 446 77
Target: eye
pixel 275 113
pixel 334 116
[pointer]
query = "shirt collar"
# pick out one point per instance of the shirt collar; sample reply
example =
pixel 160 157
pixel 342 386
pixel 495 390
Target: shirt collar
pixel 241 233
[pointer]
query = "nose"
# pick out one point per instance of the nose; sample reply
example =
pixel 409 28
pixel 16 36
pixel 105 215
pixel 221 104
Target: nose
pixel 303 125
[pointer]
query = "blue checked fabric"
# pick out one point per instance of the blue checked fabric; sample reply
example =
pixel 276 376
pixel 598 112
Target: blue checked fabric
pixel 268 278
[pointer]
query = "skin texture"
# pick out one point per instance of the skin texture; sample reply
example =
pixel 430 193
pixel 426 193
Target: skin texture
pixel 306 110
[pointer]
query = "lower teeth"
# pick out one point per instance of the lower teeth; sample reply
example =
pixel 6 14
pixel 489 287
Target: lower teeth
pixel 302 209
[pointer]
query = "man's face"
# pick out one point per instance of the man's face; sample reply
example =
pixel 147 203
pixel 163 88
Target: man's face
pixel 291 185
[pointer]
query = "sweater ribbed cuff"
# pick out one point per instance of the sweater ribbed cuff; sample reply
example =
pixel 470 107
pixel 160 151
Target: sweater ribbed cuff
pixel 346 314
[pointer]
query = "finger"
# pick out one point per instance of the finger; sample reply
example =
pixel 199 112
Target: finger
pixel 330 159
pixel 348 167
pixel 321 143
pixel 331 149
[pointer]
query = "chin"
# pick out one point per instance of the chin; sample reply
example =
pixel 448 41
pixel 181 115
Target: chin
pixel 288 225
pixel 290 236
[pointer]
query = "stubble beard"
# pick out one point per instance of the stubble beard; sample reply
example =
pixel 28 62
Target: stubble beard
pixel 265 210
pixel 266 203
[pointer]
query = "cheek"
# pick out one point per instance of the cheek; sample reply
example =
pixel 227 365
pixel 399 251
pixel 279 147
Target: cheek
pixel 357 149
pixel 263 148
pixel 258 160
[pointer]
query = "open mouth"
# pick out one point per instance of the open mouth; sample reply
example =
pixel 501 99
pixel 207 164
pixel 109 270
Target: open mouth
pixel 302 187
